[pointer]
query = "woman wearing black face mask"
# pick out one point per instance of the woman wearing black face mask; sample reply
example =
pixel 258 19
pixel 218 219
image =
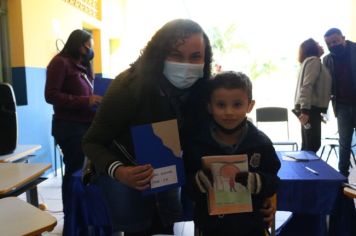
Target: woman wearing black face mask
pixel 69 88
pixel 88 56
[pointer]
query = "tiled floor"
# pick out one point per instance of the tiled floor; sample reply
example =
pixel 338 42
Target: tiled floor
pixel 50 194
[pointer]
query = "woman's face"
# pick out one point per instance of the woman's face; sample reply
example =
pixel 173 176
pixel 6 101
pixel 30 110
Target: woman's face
pixel 191 51
pixel 86 46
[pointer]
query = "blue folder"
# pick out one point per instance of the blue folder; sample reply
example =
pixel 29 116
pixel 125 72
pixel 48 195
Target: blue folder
pixel 158 144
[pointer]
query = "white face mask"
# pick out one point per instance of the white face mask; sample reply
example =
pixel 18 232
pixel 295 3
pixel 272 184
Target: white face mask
pixel 183 75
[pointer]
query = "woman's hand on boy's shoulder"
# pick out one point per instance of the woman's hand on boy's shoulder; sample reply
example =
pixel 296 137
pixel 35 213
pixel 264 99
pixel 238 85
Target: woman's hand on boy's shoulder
pixel 137 177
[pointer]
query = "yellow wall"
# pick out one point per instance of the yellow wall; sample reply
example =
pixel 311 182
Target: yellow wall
pixel 34 26
pixel 16 33
pixel 353 21
pixel 113 28
pixel 41 23
pixel 97 49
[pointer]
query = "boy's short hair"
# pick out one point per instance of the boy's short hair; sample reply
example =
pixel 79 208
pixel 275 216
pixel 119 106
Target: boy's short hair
pixel 230 80
pixel 332 31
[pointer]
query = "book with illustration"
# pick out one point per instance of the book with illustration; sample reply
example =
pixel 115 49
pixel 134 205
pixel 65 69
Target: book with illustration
pixel 158 144
pixel 227 196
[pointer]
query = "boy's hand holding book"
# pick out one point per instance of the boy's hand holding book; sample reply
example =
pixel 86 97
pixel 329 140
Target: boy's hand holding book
pixel 251 180
pixel 204 180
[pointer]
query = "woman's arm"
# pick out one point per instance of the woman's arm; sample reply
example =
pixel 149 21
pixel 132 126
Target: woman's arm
pixel 311 74
pixel 111 121
pixel 64 85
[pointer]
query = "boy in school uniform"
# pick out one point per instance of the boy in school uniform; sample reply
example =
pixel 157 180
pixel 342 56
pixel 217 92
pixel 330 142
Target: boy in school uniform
pixel 227 132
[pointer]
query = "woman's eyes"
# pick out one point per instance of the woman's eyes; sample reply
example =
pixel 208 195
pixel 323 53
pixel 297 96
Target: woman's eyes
pixel 195 57
pixel 175 55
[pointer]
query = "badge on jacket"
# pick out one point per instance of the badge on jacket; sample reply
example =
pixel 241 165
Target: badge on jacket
pixel 255 160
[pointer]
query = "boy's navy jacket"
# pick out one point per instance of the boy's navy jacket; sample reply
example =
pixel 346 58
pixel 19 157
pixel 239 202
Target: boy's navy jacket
pixel 254 143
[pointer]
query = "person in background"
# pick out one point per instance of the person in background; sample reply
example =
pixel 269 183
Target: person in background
pixel 312 94
pixel 341 62
pixel 227 132
pixel 165 82
pixel 69 88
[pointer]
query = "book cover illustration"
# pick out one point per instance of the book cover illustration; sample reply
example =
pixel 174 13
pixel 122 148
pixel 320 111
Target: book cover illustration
pixel 158 144
pixel 227 196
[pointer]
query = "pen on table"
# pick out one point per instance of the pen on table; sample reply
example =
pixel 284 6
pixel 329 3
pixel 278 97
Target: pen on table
pixel 311 170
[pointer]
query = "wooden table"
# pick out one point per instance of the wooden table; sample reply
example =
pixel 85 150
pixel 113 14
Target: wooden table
pixel 16 178
pixel 350 192
pixel 21 152
pixel 17 217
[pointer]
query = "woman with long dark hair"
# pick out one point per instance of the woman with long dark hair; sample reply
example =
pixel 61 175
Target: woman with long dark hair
pixel 160 85
pixel 69 88
pixel 165 82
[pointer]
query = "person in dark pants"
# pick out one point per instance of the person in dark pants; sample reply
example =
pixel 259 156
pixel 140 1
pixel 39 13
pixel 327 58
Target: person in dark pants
pixel 312 94
pixel 69 88
pixel 228 132
pixel 341 62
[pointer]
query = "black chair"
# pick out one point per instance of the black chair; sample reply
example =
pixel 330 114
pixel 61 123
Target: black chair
pixel 8 119
pixel 276 114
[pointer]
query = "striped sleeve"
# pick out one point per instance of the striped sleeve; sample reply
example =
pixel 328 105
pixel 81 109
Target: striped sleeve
pixel 112 168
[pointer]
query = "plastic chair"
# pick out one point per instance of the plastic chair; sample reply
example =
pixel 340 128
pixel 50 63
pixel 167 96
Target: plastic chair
pixel 280 219
pixel 333 144
pixel 276 114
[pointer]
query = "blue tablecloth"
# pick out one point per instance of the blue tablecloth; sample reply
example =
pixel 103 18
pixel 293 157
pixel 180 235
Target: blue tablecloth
pixel 310 197
pixel 87 213
pixel 313 196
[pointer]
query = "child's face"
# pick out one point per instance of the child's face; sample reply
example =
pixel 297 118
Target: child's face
pixel 229 107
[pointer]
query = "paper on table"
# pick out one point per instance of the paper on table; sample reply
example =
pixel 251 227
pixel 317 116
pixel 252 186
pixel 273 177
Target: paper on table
pixel 287 158
pixel 301 155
